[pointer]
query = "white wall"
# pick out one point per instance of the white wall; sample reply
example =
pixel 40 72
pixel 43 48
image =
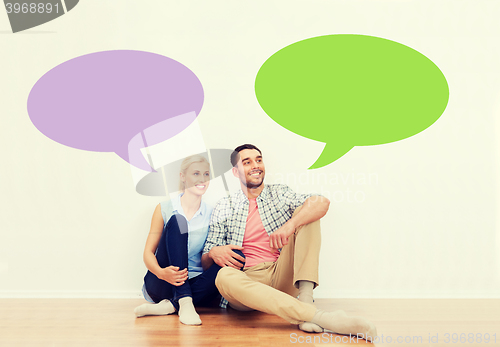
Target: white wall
pixel 426 220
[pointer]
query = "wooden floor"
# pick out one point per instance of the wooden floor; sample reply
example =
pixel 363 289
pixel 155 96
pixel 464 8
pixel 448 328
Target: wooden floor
pixel 111 322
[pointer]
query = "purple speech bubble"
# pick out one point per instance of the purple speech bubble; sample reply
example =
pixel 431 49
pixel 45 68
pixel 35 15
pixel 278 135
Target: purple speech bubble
pixel 116 101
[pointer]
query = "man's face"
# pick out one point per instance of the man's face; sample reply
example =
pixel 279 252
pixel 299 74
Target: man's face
pixel 250 169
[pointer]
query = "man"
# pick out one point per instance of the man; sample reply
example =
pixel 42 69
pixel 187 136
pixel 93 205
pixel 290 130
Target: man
pixel 260 220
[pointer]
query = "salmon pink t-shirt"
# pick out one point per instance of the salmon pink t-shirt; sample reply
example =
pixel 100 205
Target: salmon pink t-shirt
pixel 256 241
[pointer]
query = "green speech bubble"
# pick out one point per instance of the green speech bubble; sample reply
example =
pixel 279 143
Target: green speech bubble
pixel 351 90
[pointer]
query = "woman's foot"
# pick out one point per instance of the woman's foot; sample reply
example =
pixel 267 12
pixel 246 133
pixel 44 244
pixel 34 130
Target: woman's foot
pixel 187 313
pixel 162 308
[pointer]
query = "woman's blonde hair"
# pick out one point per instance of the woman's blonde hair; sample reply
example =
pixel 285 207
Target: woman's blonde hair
pixel 186 163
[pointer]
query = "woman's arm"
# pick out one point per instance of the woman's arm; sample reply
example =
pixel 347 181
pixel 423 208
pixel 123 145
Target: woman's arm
pixel 206 261
pixel 171 274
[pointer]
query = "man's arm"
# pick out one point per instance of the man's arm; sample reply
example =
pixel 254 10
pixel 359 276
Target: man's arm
pixel 216 234
pixel 215 249
pixel 223 256
pixel 314 208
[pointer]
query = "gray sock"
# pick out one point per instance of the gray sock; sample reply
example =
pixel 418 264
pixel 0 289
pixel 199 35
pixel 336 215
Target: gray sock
pixel 339 322
pixel 306 295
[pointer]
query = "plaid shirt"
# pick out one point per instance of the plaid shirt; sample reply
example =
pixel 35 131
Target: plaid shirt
pixel 276 204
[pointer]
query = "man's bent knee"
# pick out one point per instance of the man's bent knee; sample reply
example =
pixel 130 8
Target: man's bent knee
pixel 224 277
pixel 227 283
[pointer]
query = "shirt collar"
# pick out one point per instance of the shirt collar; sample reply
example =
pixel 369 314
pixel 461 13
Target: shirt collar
pixel 264 194
pixel 177 207
pixel 240 197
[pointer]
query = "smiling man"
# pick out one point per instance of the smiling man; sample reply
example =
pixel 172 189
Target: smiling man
pixel 278 232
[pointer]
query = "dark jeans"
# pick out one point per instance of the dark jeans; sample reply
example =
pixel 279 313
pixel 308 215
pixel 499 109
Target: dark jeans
pixel 173 250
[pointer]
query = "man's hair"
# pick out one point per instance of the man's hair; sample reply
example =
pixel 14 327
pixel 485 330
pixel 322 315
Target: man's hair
pixel 235 156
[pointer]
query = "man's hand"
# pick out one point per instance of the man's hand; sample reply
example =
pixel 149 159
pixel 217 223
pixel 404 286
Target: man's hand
pixel 279 238
pixel 224 256
pixel 173 275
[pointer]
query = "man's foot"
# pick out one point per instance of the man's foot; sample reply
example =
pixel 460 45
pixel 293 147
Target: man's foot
pixel 306 295
pixel 310 327
pixel 187 313
pixel 162 308
pixel 339 322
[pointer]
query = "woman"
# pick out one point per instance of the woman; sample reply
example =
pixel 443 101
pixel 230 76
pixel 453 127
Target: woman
pixel 175 280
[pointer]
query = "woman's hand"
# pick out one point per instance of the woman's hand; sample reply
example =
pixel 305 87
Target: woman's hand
pixel 173 275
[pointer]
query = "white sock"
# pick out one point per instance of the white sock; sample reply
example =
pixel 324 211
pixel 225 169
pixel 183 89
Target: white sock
pixel 339 322
pixel 187 313
pixel 159 309
pixel 306 295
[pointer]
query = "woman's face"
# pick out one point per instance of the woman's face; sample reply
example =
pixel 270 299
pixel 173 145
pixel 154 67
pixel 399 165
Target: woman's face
pixel 197 178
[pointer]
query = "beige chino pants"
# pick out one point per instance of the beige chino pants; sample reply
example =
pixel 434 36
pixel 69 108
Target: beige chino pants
pixel 273 287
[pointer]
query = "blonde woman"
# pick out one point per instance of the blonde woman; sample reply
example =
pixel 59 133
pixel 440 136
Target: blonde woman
pixel 176 281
